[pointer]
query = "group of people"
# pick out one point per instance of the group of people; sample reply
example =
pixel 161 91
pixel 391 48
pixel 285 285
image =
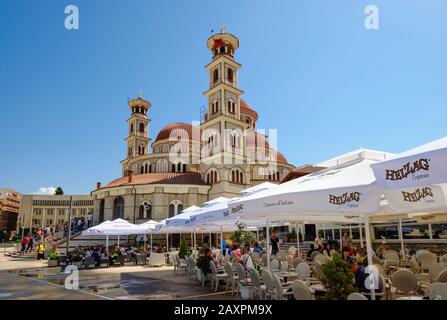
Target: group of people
pixel 29 240
pixel 99 253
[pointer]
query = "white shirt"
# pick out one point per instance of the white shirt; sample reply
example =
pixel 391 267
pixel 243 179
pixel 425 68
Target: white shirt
pixel 247 261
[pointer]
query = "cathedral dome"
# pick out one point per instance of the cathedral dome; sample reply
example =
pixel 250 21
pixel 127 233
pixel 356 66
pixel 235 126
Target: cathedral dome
pixel 246 109
pixel 178 129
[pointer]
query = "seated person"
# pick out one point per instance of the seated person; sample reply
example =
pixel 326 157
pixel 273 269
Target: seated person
pixel 256 248
pixel 235 254
pixel 247 261
pixel 203 262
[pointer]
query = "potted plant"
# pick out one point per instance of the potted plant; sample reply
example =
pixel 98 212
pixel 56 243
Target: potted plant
pixel 241 235
pixel 337 279
pixel 52 259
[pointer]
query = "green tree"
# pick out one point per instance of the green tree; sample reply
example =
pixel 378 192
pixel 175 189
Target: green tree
pixel 241 235
pixel 59 191
pixel 337 278
pixel 183 250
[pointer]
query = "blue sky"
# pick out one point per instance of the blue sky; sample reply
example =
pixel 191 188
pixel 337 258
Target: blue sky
pixel 310 69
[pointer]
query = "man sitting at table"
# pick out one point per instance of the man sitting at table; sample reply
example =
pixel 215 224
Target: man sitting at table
pixel 256 248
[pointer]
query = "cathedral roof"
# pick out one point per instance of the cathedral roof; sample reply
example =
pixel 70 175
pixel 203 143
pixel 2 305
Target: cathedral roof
pixel 177 129
pixel 257 140
pixel 159 178
pixel 247 109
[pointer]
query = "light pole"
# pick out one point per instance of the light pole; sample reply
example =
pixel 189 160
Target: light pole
pixel 69 227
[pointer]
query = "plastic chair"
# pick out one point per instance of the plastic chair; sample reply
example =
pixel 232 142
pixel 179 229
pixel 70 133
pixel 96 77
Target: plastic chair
pixel 216 276
pixel 231 277
pixel 274 265
pixel 301 290
pixel 284 266
pixel 268 282
pixel 405 282
pixel 437 291
pixel 258 288
pixel 356 296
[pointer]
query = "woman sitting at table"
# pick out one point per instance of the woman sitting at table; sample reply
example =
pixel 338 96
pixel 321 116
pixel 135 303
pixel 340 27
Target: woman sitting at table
pixel 235 254
pixel 326 250
pixel 203 261
pixel 247 261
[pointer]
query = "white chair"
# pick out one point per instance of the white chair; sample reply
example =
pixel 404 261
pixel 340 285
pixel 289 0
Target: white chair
pixel 258 288
pixel 274 265
pixel 437 290
pixel 216 276
pixel 231 277
pixel 179 264
pixel 405 282
pixel 268 282
pixel 426 260
pixel 443 259
pixel 284 266
pixel 442 277
pixel 321 258
pixel 303 270
pixel 432 274
pixel 301 290
pixel 281 256
pixel 421 251
pixel 357 296
pixel 281 290
pixel 296 261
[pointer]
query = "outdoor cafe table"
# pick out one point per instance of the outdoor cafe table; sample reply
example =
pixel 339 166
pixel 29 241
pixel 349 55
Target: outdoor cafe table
pixel 317 289
pixel 286 275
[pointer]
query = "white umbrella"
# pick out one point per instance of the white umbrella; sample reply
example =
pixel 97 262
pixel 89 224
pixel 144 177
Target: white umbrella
pixel 421 166
pixel 118 227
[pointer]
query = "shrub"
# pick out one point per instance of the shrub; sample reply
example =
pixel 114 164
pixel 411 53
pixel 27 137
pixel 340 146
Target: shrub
pixel 53 255
pixel 241 235
pixel 337 278
pixel 183 250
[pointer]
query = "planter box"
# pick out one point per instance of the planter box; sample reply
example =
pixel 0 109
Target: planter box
pixel 52 263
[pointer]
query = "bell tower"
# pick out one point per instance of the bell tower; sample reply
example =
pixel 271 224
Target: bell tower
pixel 223 93
pixel 138 126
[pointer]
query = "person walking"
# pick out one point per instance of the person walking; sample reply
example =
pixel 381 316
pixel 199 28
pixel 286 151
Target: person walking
pixel 30 246
pixel 274 240
pixel 25 241
pixel 40 250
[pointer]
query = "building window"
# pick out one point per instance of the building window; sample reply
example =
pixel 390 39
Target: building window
pixel 145 211
pixel 231 106
pixel 50 212
pixel 101 211
pixel 230 75
pixel 61 212
pixel 215 75
pixel 175 208
pixel 215 107
pixel 237 176
pixel 131 128
pixel 142 127
pixel 118 208
pixel 212 176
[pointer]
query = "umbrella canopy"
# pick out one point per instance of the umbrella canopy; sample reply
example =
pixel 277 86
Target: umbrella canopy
pixel 151 224
pixel 118 227
pixel 338 193
pixel 421 166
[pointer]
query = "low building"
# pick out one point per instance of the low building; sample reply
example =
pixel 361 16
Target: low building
pixel 41 210
pixel 9 210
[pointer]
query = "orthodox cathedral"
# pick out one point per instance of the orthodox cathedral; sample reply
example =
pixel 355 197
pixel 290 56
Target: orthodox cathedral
pixel 192 163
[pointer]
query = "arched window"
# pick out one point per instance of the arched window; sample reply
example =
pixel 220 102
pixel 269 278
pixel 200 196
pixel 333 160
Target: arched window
pixel 101 211
pixel 231 106
pixel 141 127
pixel 175 207
pixel 237 176
pixel 145 211
pixel 212 176
pixel 230 75
pixel 118 208
pixel 171 210
pixel 131 128
pixel 162 165
pixel 141 170
pixel 166 148
pixel 215 75
pixel 146 167
pixel 215 106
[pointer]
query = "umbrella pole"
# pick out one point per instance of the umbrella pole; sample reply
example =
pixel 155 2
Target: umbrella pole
pixel 268 245
pixel 401 237
pixel 361 235
pixel 341 236
pixel 221 239
pixel 257 235
pixel 151 242
pixel 195 244
pixel 118 240
pixel 107 245
pixel 298 239
pixel 210 240
pixel 167 242
pixel 369 250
